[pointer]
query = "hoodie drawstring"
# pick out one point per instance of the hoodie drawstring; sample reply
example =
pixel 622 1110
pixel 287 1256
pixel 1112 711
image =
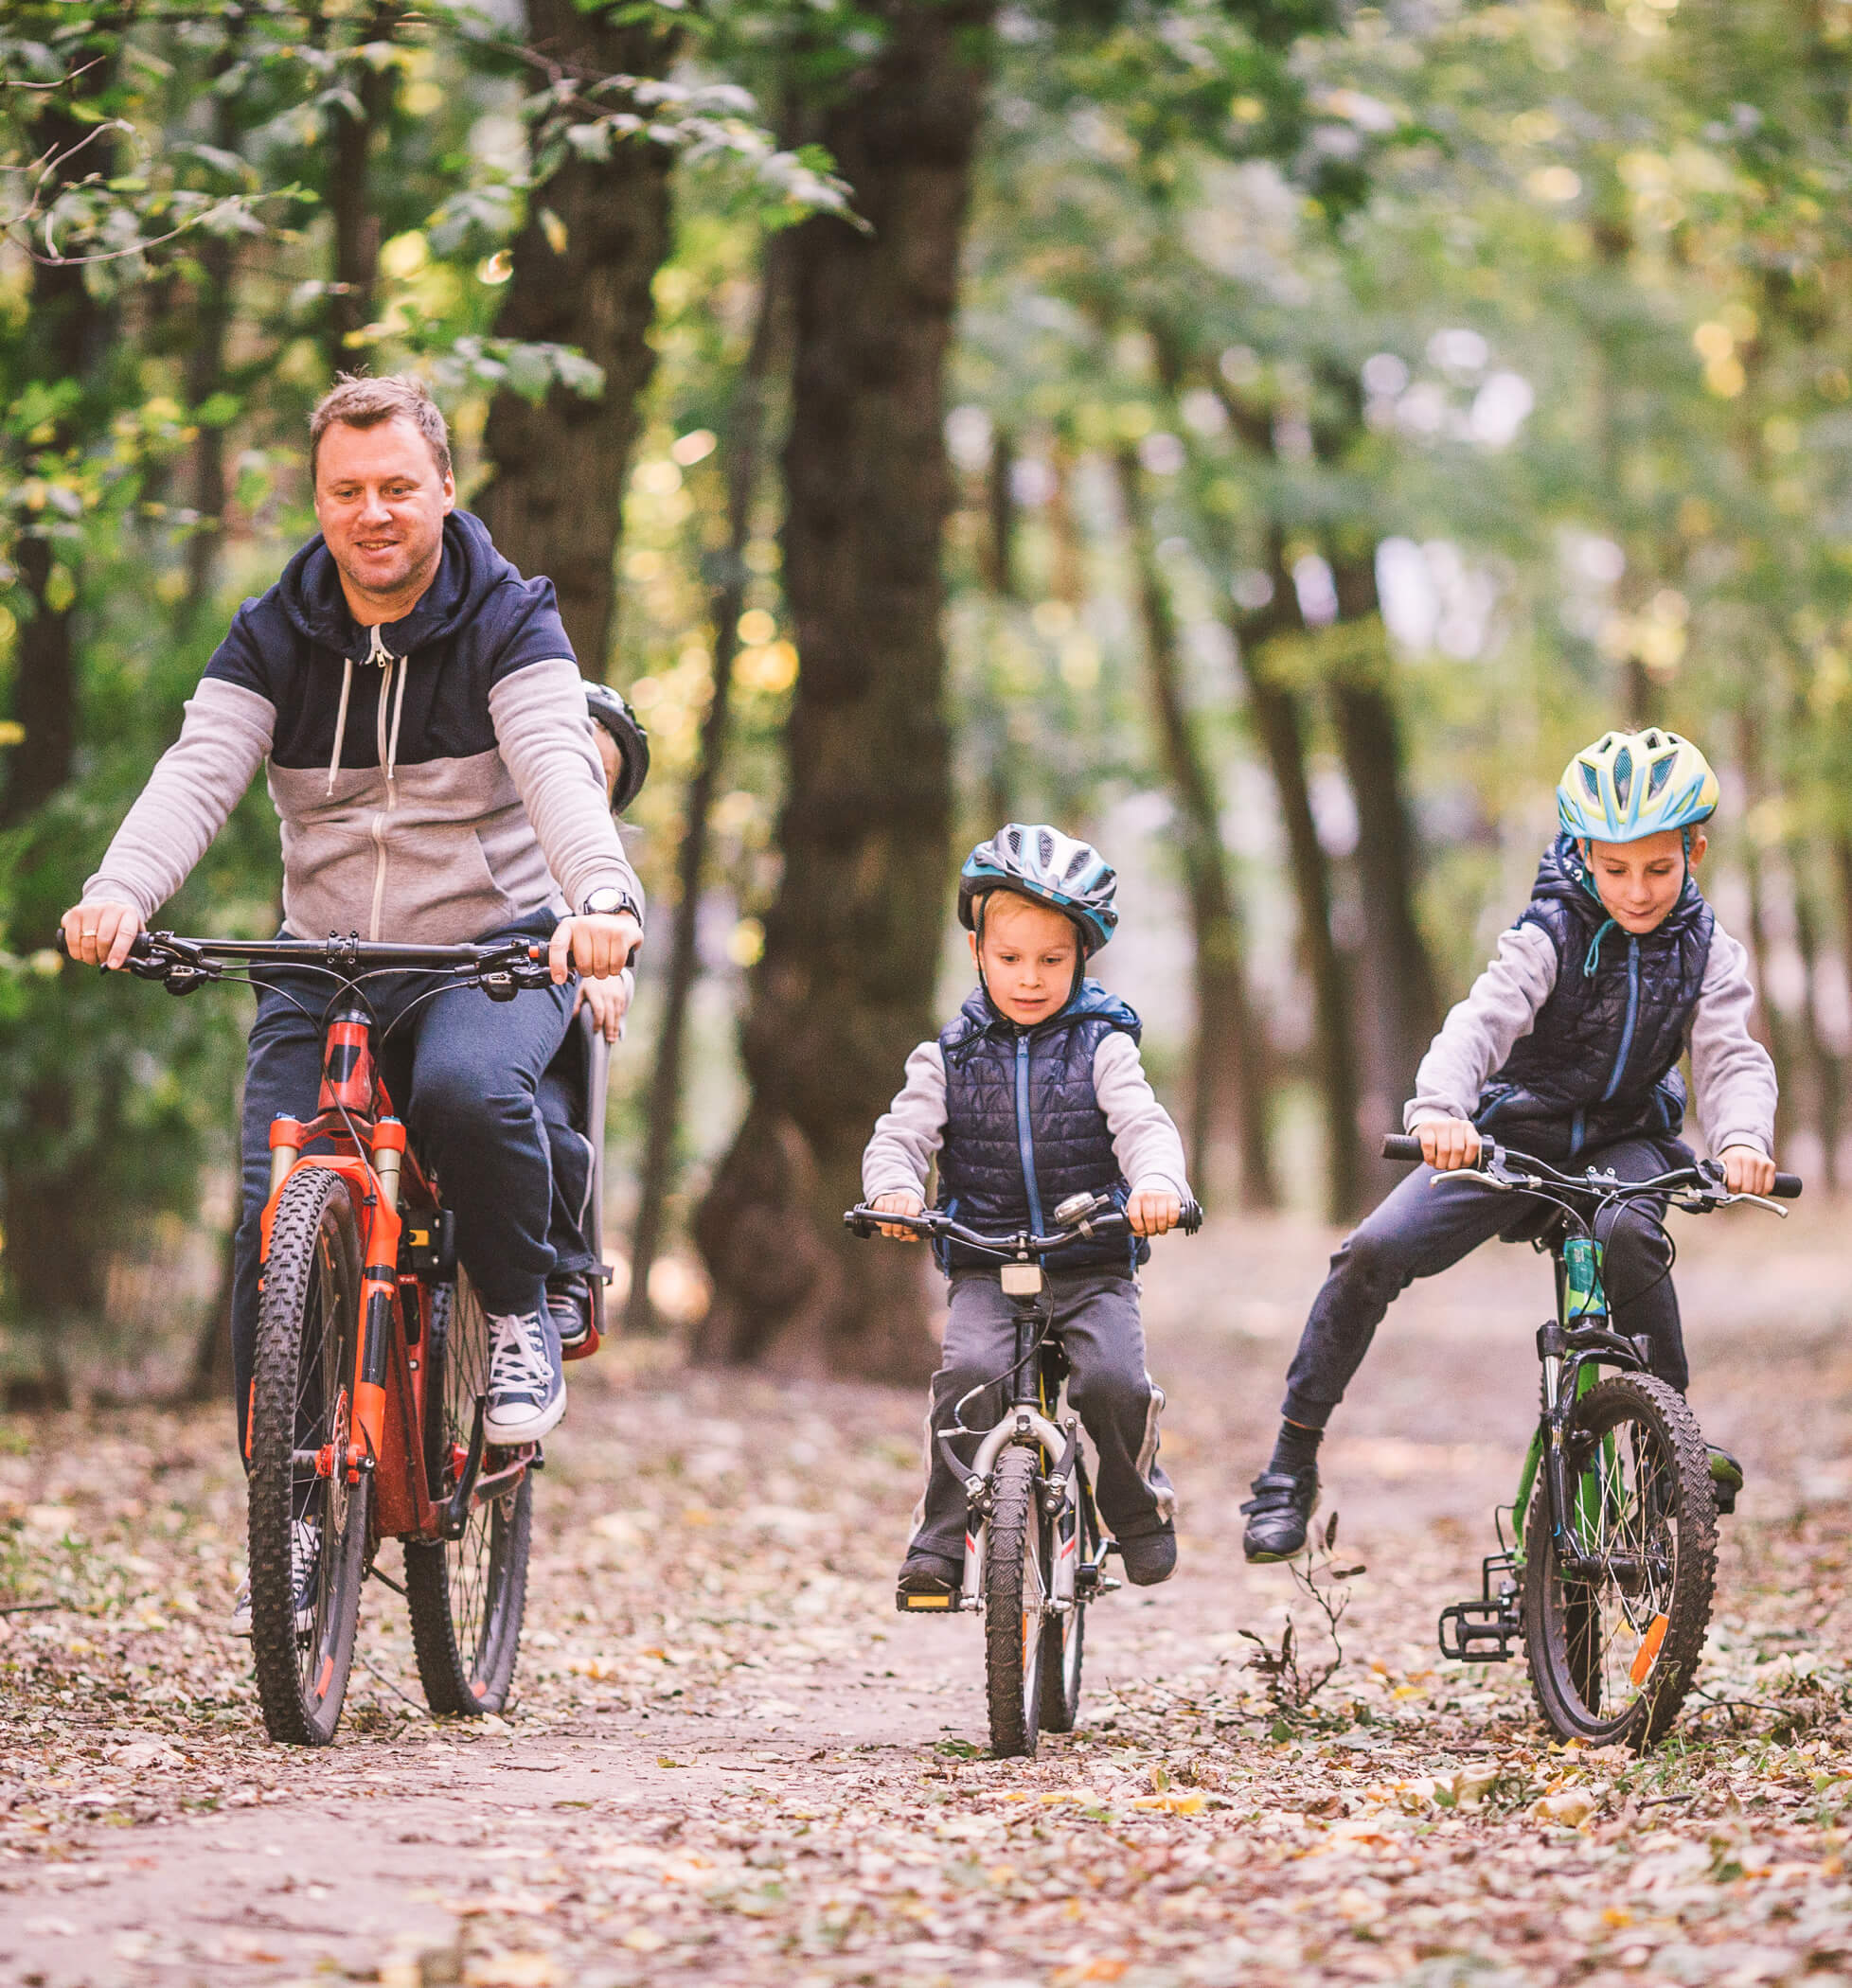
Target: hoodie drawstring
pixel 341 721
pixel 1593 959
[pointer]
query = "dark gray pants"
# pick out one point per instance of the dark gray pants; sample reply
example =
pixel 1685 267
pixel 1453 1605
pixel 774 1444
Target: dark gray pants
pixel 1096 1319
pixel 1418 1229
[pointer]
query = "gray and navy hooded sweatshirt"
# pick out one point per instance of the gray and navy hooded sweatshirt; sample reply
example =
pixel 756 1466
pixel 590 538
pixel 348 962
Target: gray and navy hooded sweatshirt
pixel 1572 1038
pixel 1020 1118
pixel 435 777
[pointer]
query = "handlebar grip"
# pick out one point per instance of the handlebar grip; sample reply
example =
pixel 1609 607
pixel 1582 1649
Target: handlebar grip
pixel 1191 1219
pixel 1398 1146
pixel 1787 1187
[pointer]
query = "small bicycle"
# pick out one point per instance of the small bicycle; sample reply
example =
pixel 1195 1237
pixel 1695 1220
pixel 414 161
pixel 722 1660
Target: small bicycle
pixel 369 1388
pixel 1033 1551
pixel 1610 1576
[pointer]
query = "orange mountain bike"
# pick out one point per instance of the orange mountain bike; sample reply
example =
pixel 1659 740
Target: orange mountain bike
pixel 369 1391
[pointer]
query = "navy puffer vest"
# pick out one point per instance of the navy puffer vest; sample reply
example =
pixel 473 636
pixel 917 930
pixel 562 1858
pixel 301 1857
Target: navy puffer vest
pixel 1601 1061
pixel 1023 1130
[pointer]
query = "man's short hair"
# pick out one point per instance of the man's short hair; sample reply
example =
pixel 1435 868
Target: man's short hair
pixel 358 402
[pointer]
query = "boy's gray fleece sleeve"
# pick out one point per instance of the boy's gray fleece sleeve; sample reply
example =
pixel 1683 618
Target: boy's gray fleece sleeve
pixel 1482 1030
pixel 1145 1139
pixel 898 1156
pixel 195 785
pixel 546 742
pixel 1732 1074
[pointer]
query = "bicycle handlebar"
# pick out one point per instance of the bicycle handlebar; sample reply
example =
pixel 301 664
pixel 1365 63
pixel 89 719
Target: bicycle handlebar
pixel 189 963
pixel 865 1222
pixel 1396 1145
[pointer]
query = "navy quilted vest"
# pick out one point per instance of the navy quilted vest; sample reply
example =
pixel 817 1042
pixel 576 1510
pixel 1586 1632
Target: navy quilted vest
pixel 1022 1127
pixel 1601 1063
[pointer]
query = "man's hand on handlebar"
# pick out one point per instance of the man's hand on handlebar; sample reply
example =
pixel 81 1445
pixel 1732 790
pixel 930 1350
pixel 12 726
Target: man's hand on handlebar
pixel 1448 1144
pixel 597 945
pixel 99 932
pixel 1153 1211
pixel 899 1203
pixel 1747 1170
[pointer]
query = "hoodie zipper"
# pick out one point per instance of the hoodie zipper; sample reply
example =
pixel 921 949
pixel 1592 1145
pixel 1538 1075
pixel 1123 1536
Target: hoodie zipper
pixel 1632 1017
pixel 1025 1131
pixel 382 657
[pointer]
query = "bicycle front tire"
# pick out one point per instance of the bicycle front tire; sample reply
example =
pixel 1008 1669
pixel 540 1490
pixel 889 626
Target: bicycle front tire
pixel 1613 1652
pixel 307 1531
pixel 1015 1590
pixel 467 1596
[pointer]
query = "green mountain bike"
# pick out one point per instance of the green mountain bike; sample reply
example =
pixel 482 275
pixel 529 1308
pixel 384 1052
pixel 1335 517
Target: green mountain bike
pixel 1609 1577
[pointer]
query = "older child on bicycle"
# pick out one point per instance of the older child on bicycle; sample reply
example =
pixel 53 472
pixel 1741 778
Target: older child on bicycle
pixel 1568 1048
pixel 1036 1093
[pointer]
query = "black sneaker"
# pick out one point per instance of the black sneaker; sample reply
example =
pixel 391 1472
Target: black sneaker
pixel 1150 1558
pixel 569 1299
pixel 923 1571
pixel 1726 1478
pixel 1279 1514
pixel 527 1388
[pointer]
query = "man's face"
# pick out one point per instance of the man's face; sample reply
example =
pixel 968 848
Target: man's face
pixel 382 503
pixel 1639 882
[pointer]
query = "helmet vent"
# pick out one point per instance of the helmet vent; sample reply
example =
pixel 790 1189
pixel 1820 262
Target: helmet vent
pixel 1045 848
pixel 1655 780
pixel 1623 775
pixel 1590 785
pixel 1079 861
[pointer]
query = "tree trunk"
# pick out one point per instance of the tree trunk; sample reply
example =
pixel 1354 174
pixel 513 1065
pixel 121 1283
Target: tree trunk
pixel 349 197
pixel 1277 713
pixel 744 448
pixel 1826 1069
pixel 1399 996
pixel 597 233
pixel 1228 1104
pixel 845 987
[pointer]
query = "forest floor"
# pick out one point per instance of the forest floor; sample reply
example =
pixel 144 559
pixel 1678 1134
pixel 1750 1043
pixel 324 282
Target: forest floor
pixel 732 1761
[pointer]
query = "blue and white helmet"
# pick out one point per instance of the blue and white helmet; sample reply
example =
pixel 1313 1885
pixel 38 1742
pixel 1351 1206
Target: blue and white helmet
pixel 1037 861
pixel 1631 785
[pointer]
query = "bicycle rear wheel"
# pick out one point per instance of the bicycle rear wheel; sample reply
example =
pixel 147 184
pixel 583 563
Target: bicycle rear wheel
pixel 467 1596
pixel 307 1532
pixel 1015 1592
pixel 1613 1652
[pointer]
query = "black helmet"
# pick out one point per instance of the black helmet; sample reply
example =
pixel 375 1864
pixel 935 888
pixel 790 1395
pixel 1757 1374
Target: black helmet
pixel 610 710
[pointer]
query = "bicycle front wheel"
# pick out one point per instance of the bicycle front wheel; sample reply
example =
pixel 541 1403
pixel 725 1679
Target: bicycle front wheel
pixel 467 1596
pixel 1015 1597
pixel 308 1524
pixel 1063 1640
pixel 1614 1644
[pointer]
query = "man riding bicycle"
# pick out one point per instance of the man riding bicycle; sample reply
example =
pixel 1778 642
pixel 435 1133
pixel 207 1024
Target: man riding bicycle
pixel 423 723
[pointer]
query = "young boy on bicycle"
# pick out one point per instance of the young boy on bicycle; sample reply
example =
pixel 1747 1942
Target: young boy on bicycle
pixel 1567 1048
pixel 1036 1093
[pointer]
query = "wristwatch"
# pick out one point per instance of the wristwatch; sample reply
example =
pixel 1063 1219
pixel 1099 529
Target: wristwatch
pixel 609 903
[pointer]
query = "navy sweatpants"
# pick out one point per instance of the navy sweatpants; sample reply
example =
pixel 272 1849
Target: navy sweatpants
pixel 463 1072
pixel 1429 1222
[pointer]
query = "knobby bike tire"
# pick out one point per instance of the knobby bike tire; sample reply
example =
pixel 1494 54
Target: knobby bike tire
pixel 1015 1582
pixel 1612 1660
pixel 1065 1638
pixel 467 1596
pixel 302 1631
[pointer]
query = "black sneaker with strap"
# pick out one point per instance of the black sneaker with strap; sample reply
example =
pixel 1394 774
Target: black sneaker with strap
pixel 1278 1514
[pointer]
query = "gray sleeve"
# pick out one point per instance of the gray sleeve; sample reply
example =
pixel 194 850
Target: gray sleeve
pixel 898 1155
pixel 1732 1074
pixel 546 742
pixel 195 785
pixel 1145 1139
pixel 1482 1030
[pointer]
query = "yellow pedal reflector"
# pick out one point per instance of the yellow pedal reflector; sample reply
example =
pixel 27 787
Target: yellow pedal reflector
pixel 929 1600
pixel 1648 1653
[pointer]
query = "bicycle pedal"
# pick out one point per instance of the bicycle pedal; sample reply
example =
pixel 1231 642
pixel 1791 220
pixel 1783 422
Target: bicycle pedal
pixel 908 1603
pixel 1483 1633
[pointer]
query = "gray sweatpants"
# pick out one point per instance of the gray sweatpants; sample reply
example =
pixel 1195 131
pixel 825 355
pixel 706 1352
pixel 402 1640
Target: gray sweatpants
pixel 1096 1319
pixel 1428 1223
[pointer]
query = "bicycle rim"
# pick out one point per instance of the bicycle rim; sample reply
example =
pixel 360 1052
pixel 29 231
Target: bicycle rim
pixel 1015 1592
pixel 307 1531
pixel 467 1596
pixel 1613 1652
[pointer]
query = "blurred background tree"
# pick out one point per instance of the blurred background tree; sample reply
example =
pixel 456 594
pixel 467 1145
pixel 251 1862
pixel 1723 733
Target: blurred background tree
pixel 1264 438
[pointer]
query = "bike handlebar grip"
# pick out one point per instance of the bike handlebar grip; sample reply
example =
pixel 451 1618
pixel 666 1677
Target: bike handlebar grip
pixel 1399 1145
pixel 1191 1219
pixel 1787 1187
pixel 858 1224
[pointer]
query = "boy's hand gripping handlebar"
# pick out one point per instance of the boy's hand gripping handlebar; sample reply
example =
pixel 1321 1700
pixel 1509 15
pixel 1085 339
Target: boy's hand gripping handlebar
pixel 1496 1162
pixel 1080 1217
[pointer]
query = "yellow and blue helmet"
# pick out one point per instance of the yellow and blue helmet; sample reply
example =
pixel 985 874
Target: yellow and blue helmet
pixel 1629 785
pixel 1038 861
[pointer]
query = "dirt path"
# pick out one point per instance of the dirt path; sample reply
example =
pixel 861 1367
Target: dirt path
pixel 734 1763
